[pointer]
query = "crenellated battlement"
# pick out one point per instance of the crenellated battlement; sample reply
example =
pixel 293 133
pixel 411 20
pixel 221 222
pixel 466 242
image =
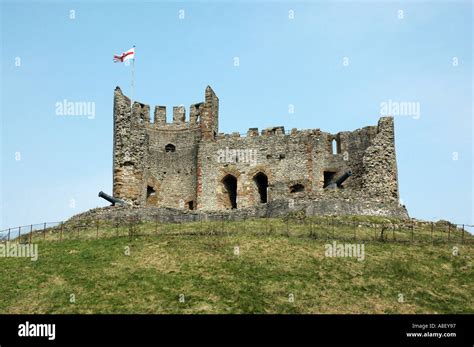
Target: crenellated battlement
pixel 270 132
pixel 202 114
pixel 179 115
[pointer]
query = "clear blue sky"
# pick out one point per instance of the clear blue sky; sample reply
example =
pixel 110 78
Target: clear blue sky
pixel 282 62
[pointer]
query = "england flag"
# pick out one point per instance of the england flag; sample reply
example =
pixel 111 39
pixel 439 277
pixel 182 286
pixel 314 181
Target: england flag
pixel 130 54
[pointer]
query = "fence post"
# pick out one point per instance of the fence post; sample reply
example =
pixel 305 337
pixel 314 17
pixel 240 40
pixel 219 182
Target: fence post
pixel 287 229
pixel 61 232
pixel 432 226
pixel 19 234
pixel 462 235
pixel 449 231
pixel 332 227
pixel 116 228
pixel 222 223
pixel 44 231
pixel 31 232
pixel 8 234
pixel 200 222
pixel 412 226
pixel 156 224
pixel 325 223
pixel 375 231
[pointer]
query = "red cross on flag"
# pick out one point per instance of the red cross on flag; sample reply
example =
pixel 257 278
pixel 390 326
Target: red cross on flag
pixel 130 54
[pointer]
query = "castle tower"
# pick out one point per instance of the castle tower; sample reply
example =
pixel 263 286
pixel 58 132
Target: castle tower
pixel 155 163
pixel 130 147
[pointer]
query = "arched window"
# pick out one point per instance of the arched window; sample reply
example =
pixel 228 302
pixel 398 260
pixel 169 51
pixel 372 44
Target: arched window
pixel 230 185
pixel 261 180
pixel 170 148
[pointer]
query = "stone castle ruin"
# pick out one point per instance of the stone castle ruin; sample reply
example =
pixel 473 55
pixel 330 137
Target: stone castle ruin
pixel 189 165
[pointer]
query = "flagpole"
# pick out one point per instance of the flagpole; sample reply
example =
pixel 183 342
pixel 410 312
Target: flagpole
pixel 133 80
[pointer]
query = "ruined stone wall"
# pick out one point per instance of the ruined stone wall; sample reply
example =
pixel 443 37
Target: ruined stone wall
pixel 299 158
pixel 130 148
pixel 273 209
pixel 210 115
pixel 380 176
pixel 282 158
pixel 188 165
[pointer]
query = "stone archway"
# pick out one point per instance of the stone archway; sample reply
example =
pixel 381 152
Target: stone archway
pixel 261 177
pixel 230 189
pixel 261 181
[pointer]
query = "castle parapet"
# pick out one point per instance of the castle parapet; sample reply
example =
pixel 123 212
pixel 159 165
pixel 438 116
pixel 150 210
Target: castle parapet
pixel 279 130
pixel 252 132
pixel 179 114
pixel 141 112
pixel 160 115
pixel 195 112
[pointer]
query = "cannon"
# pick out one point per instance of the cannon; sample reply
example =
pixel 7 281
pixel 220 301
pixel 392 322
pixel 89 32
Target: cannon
pixel 337 183
pixel 111 199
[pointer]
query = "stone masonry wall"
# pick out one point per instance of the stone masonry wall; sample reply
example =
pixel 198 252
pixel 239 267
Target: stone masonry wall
pixel 130 147
pixel 274 209
pixel 380 176
pixel 172 174
pixel 188 165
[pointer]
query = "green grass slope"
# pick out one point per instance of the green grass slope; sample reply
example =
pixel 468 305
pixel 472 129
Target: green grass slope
pixel 255 269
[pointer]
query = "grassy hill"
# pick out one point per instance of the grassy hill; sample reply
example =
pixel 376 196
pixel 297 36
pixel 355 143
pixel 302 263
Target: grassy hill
pixel 260 267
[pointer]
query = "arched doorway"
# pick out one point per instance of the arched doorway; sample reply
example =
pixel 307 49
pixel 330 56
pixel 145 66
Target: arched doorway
pixel 230 186
pixel 261 181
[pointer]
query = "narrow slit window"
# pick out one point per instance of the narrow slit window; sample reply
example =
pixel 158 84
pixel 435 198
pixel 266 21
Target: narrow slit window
pixel 334 146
